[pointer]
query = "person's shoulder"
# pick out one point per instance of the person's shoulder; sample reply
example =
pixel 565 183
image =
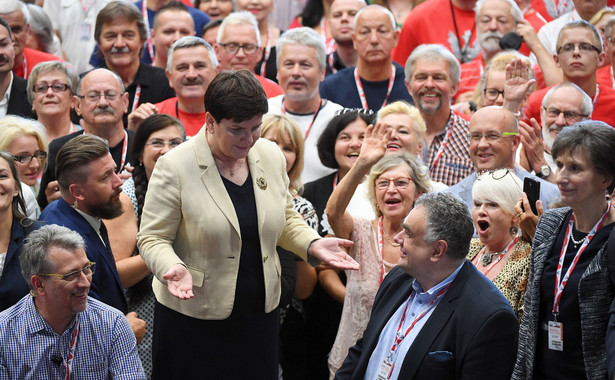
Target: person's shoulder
pixel 56 144
pixel 342 75
pixel 462 185
pixel 152 73
pixel 14 313
pixel 419 12
pixel 607 93
pixel 37 56
pixel 102 311
pixel 482 293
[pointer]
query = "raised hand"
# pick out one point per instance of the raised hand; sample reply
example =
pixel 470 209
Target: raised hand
pixel 375 142
pixel 517 84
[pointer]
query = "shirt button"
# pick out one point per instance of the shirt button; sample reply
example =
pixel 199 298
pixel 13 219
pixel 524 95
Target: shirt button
pixel 420 301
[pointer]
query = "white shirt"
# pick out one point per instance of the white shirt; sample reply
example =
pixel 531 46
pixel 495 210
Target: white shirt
pixel 313 169
pixel 4 102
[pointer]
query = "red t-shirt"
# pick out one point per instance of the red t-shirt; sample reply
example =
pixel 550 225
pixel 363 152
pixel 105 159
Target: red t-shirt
pixel 32 58
pixel 192 121
pixel 603 106
pixel 432 23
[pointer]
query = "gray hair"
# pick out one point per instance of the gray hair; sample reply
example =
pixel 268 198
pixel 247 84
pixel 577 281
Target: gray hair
pixel 72 78
pixel 448 219
pixel 418 174
pixel 595 138
pixel 432 53
pixel 587 106
pixel 371 6
pixel 303 36
pixel 9 6
pixel 514 9
pixel 238 18
pixel 41 27
pixel 188 42
pixel 34 257
pixel 117 78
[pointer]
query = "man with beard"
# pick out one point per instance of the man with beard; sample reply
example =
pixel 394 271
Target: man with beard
pixel 90 191
pixel 120 33
pixel 562 106
pixel 494 18
pixel 301 68
pixel 100 101
pixel 432 77
pixel 191 66
pixel 376 80
pixel 342 17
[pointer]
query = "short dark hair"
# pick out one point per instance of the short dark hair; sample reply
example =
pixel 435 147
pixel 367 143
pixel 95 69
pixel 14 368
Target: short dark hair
pixel 120 10
pixel 235 95
pixel 7 27
pixel 75 156
pixel 172 5
pixel 591 136
pixel 326 141
pixel 210 25
pixel 447 218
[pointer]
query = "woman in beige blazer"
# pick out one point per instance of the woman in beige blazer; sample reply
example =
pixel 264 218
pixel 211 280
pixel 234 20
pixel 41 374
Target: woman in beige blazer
pixel 215 209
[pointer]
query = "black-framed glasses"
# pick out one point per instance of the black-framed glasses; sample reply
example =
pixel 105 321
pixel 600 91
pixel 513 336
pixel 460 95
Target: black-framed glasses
pixel 492 94
pixel 569 116
pixel 74 275
pixel 233 47
pixel 40 156
pixel 400 183
pixel 584 47
pixel 361 111
pixel 160 143
pixel 94 96
pixel 42 88
pixel 495 174
pixel 489 135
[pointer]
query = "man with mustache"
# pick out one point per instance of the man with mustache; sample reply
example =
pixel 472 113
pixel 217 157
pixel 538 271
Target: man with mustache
pixel 376 80
pixel 191 66
pixel 120 33
pixel 432 77
pixel 100 101
pixel 494 18
pixel 301 68
pixel 562 106
pixel 89 192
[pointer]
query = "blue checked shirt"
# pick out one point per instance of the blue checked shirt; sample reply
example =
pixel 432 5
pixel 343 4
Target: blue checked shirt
pixel 455 163
pixel 105 347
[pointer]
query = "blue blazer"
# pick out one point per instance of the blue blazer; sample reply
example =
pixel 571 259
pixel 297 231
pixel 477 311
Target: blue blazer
pixel 13 285
pixel 472 322
pixel 106 285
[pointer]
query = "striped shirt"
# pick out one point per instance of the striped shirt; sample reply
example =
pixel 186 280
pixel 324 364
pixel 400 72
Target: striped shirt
pixel 455 163
pixel 31 349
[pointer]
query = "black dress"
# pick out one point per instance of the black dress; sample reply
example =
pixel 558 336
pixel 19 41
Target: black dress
pixel 242 346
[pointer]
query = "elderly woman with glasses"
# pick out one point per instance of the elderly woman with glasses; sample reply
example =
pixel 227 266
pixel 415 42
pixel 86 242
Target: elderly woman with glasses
pixel 499 253
pixel 394 184
pixel 51 86
pixel 564 326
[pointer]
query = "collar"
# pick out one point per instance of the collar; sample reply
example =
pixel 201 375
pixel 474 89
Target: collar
pixel 434 291
pixel 35 321
pixel 7 93
pixel 92 220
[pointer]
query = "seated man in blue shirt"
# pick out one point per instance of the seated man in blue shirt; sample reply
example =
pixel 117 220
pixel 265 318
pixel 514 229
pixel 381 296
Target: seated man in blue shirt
pixel 435 316
pixel 57 331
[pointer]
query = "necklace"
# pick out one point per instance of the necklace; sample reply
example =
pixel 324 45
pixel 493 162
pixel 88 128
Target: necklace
pixel 577 242
pixel 487 258
pixel 387 237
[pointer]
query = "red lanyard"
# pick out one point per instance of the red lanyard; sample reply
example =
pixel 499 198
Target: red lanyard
pixel 357 80
pixel 560 285
pixel 441 149
pixel 334 70
pixel 150 48
pixel 124 152
pixel 502 254
pixel 316 112
pixel 267 53
pixel 135 100
pixel 71 351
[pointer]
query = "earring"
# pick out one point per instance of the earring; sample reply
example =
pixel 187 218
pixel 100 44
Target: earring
pixel 514 230
pixel 75 205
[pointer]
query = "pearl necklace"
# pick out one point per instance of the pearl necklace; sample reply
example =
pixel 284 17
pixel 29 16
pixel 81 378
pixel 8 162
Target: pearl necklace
pixel 575 242
pixel 387 237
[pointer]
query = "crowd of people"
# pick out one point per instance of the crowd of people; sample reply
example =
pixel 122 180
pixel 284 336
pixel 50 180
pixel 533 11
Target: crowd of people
pixel 307 189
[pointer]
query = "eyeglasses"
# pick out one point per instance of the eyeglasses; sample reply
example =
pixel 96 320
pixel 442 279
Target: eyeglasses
pixel 42 88
pixel 400 183
pixel 160 144
pixel 489 135
pixel 94 96
pixel 584 47
pixel 495 174
pixel 40 156
pixel 233 48
pixel 569 116
pixel 360 111
pixel 74 275
pixel 492 94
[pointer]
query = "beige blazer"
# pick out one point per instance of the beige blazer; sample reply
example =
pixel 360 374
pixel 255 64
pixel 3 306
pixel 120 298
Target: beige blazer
pixel 189 218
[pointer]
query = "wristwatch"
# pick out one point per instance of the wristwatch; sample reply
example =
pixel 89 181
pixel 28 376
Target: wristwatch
pixel 544 172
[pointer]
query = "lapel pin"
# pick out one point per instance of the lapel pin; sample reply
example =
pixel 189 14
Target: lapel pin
pixel 262 184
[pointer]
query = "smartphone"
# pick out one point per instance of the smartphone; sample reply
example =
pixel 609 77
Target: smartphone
pixel 531 188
